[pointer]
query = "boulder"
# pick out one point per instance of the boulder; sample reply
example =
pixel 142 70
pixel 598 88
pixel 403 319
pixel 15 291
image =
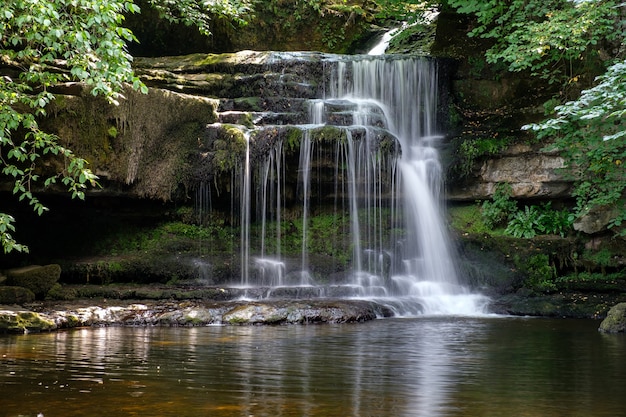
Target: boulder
pixel 10 295
pixel 596 220
pixel 615 321
pixel 38 279
pixel 23 322
pixel 301 312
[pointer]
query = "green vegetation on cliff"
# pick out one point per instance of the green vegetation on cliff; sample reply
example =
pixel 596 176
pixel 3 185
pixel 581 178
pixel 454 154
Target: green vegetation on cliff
pixel 45 44
pixel 551 39
pixel 566 43
pixel 590 133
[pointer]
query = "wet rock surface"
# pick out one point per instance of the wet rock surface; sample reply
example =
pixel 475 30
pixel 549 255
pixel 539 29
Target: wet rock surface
pixel 23 321
pixel 615 321
pixel 163 305
pixel 199 308
pixel 573 304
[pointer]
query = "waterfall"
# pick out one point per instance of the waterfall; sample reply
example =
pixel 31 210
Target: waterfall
pixel 391 193
pixel 405 93
pixel 408 89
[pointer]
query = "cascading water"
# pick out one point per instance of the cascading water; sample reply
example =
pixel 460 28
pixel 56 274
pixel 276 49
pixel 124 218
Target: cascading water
pixel 405 90
pixel 400 250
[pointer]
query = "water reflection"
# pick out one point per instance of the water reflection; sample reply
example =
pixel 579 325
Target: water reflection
pixel 426 367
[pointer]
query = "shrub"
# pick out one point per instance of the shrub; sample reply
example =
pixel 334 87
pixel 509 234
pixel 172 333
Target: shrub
pixel 557 222
pixel 534 220
pixel 539 273
pixel 501 207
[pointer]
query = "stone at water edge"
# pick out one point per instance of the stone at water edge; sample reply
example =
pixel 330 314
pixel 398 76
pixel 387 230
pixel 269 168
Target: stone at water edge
pixel 19 321
pixel 10 295
pixel 38 279
pixel 615 321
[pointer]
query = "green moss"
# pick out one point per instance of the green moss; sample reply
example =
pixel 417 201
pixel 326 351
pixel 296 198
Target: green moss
pixel 248 103
pixel 415 39
pixel 38 279
pixel 293 138
pixel 73 321
pixel 540 272
pixel 329 134
pixel 58 292
pixel 468 219
pixel 149 142
pixel 233 58
pixel 238 321
pixel 112 132
pixel 195 62
pixel 10 295
pixel 602 259
pixel 24 321
pixel 471 149
pixel 229 149
pixel 593 281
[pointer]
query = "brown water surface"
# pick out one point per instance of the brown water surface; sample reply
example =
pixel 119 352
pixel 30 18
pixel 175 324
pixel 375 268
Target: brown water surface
pixel 426 367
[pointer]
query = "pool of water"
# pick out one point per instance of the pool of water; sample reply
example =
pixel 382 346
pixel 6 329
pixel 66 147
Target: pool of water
pixel 393 367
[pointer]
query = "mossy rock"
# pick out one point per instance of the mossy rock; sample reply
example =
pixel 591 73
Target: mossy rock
pixel 615 321
pixel 24 321
pixel 59 292
pixel 10 295
pixel 38 279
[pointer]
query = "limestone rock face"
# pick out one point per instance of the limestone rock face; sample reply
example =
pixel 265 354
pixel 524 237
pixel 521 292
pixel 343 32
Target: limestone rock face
pixel 197 120
pixel 615 321
pixel 531 174
pixel 144 146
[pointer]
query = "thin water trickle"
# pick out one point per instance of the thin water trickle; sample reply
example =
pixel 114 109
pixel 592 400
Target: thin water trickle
pixel 245 199
pixel 381 47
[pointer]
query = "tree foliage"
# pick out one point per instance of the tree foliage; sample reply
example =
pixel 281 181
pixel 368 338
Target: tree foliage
pixel 546 37
pixel 198 12
pixel 591 134
pixel 550 38
pixel 410 11
pixel 45 43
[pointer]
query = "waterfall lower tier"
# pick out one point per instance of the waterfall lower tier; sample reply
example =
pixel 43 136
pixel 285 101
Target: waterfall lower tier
pixel 351 198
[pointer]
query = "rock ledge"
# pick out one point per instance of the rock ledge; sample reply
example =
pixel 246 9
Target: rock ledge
pixel 192 314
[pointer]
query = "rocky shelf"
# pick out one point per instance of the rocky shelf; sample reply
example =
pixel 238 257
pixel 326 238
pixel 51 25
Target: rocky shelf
pixel 49 316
